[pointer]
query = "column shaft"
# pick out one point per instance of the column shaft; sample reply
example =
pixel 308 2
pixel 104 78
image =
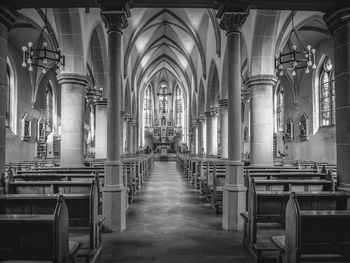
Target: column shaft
pixel 212 134
pixel 339 24
pixel 72 118
pixel 261 122
pixel 224 128
pixel 3 100
pixel 114 192
pixel 101 130
pixel 7 19
pixel 234 190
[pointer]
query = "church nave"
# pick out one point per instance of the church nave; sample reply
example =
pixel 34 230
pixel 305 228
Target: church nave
pixel 169 222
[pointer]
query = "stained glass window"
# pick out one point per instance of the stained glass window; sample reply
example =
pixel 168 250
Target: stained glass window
pixel 327 94
pixel 8 97
pixel 147 107
pixel 179 107
pixel 163 99
pixel 280 109
pixel 48 115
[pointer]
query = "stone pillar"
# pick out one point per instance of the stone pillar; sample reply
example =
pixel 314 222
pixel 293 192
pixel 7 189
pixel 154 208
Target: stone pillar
pixel 134 136
pixel 224 127
pixel 196 132
pixel 122 124
pixel 234 190
pixel 261 121
pixel 101 129
pixel 338 21
pixel 129 137
pixel 125 132
pixel 6 22
pixel 114 191
pixel 212 133
pixel 73 87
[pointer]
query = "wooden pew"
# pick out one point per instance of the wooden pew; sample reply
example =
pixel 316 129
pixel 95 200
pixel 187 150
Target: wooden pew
pixel 313 236
pixel 216 188
pixel 63 170
pixel 267 209
pixel 36 237
pixel 82 203
pixel 282 174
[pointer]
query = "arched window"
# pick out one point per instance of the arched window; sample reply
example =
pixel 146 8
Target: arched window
pixel 11 98
pixel 163 99
pixel 8 97
pixel 147 108
pixel 280 109
pixel 179 107
pixel 327 94
pixel 48 115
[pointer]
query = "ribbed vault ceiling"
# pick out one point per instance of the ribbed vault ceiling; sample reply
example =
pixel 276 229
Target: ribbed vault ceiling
pixel 165 39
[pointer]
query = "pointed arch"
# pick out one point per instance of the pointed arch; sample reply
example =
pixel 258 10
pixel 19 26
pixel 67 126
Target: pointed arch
pixel 213 86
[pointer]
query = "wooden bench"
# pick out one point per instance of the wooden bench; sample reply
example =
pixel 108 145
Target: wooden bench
pixel 34 237
pixel 282 175
pixel 83 213
pixel 266 211
pixel 313 236
pixel 216 188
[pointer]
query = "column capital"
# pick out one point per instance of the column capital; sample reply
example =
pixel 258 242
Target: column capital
pixel 102 101
pixel 262 80
pixel 337 17
pixel 223 103
pixel 114 21
pixel 233 22
pixel 72 78
pixel 7 17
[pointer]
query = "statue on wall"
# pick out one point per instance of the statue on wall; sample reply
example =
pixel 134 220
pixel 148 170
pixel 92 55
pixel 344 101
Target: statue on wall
pixel 304 127
pixel 289 134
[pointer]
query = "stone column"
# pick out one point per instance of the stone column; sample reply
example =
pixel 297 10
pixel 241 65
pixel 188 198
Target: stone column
pixel 224 127
pixel 101 129
pixel 114 191
pixel 129 136
pixel 6 22
pixel 261 121
pixel 134 136
pixel 73 87
pixel 212 133
pixel 122 134
pixel 338 22
pixel 200 136
pixel 196 134
pixel 234 190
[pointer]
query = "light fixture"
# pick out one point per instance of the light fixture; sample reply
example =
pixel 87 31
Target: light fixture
pixel 39 55
pixel 296 56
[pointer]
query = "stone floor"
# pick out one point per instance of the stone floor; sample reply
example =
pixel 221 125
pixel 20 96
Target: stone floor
pixel 169 222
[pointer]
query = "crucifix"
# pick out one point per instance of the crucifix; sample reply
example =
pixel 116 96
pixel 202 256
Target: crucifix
pixel 163 93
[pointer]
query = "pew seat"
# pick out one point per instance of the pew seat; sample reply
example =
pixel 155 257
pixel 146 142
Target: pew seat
pixel 37 237
pixel 313 235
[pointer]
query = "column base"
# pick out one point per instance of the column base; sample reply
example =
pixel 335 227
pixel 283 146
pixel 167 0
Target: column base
pixel 234 199
pixel 114 198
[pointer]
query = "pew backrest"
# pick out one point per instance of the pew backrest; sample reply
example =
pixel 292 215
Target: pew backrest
pixel 36 237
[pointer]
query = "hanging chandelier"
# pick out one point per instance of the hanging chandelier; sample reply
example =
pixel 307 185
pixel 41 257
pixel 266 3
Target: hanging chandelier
pixel 39 55
pixel 296 56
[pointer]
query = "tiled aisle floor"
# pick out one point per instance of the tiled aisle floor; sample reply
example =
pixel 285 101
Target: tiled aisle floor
pixel 169 222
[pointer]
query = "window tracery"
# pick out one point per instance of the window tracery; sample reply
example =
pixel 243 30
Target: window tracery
pixel 327 94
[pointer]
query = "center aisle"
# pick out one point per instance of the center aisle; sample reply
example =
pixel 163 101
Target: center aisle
pixel 169 222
